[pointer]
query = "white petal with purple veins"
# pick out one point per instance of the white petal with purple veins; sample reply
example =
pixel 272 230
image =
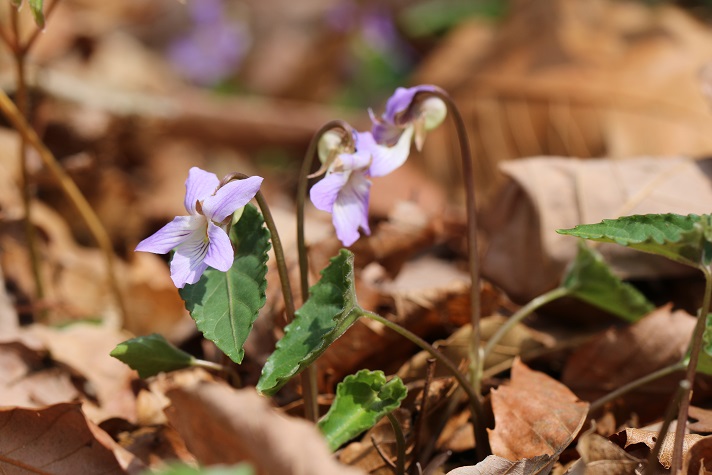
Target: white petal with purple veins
pixel 199 185
pixel 220 254
pixel 386 159
pixel 188 262
pixel 350 211
pixel 172 234
pixel 230 198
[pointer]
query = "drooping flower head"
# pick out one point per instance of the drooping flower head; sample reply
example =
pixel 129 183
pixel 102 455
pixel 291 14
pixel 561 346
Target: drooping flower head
pixel 406 119
pixel 344 190
pixel 200 239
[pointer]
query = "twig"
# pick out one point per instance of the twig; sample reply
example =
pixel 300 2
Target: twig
pixel 420 421
pixel 400 444
pixel 71 190
pixel 683 391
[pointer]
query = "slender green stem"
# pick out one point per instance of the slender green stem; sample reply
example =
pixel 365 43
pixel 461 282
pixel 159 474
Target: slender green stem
pixel 36 33
pixel 309 376
pixel 233 378
pixel 478 414
pixel 71 190
pixel 400 444
pixel 472 252
pixel 648 378
pixel 522 313
pixel 19 53
pixel 695 347
pixel 309 388
pixel 683 391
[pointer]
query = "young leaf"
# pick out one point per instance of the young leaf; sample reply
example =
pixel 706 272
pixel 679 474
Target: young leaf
pixel 224 305
pixel 328 312
pixel 37 11
pixel 361 400
pixel 151 354
pixel 591 280
pixel 679 238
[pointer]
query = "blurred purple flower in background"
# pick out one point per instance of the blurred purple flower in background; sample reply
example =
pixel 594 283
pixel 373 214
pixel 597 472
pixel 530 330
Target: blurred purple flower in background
pixel 215 46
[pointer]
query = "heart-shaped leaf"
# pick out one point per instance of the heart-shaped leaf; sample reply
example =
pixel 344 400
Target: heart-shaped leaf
pixel 224 305
pixel 328 312
pixel 151 354
pixel 361 400
pixel 679 238
pixel 591 280
pixel 36 6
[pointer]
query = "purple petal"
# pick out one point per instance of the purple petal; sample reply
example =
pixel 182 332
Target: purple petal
pixel 350 211
pixel 220 253
pixel 188 262
pixel 401 99
pixel 199 185
pixel 361 158
pixel 325 192
pixel 386 159
pixel 230 198
pixel 385 133
pixel 172 234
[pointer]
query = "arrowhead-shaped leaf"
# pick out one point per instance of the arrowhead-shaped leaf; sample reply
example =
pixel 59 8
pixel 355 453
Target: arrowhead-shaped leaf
pixel 591 280
pixel 151 354
pixel 328 312
pixel 37 11
pixel 684 239
pixel 224 305
pixel 361 400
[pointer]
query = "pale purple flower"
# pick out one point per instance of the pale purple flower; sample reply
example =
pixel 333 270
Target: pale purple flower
pixel 402 124
pixel 344 190
pixel 200 239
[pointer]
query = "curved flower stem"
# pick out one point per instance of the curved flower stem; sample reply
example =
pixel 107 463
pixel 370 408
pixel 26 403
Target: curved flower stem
pixel 520 314
pixel 71 190
pixel 309 376
pixel 473 255
pixel 648 378
pixel 234 378
pixel 695 347
pixel 478 414
pixel 400 444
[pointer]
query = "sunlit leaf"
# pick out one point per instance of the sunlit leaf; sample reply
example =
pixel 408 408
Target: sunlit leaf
pixel 330 310
pixel 36 6
pixel 361 400
pixel 224 305
pixel 151 354
pixel 591 280
pixel 677 237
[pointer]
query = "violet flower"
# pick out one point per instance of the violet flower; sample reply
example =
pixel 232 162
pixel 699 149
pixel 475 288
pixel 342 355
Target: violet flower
pixel 344 190
pixel 200 239
pixel 404 122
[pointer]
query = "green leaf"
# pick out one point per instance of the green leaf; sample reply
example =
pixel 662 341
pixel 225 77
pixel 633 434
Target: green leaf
pixel 37 11
pixel 182 469
pixel 704 364
pixel 679 238
pixel 591 280
pixel 361 400
pixel 150 355
pixel 328 312
pixel 225 305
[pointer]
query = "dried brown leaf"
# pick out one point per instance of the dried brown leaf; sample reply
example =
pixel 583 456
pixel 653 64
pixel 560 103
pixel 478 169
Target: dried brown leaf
pixel 704 419
pixel 629 437
pixel 545 194
pixel 54 440
pixel 494 465
pixel 625 354
pixel 223 425
pixel 534 415
pixel 698 460
pixel 600 456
